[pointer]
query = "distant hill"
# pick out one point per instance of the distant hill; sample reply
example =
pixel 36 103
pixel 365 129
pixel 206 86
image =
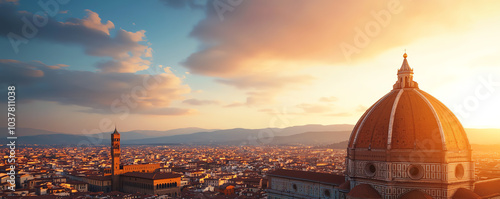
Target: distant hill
pixel 56 139
pixel 314 134
pixel 483 136
pixel 313 138
pixel 152 133
pixel 31 132
pixel 142 134
pixel 238 135
pixel 305 135
pixel 479 147
pixel 340 145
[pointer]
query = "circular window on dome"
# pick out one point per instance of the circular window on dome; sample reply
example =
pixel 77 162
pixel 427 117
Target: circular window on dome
pixel 370 169
pixel 459 171
pixel 415 172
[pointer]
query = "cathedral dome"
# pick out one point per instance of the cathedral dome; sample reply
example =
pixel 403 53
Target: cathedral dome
pixel 408 118
pixel 409 143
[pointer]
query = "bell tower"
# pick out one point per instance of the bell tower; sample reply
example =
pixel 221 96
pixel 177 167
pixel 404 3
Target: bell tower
pixel 115 159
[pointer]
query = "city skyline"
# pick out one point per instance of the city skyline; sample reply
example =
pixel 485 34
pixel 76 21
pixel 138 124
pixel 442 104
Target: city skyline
pixel 243 65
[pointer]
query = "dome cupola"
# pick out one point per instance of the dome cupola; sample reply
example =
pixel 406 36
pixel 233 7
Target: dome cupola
pixel 409 139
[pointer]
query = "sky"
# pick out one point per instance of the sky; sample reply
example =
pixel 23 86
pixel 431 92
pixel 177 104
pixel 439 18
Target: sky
pixel 84 66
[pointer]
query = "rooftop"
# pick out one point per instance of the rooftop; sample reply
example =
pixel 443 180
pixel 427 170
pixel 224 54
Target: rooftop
pixel 309 176
pixel 153 176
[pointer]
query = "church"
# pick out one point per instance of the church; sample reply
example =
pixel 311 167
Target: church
pixel 408 145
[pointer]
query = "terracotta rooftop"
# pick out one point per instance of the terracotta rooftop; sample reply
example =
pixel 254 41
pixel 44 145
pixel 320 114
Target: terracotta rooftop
pixel 462 193
pixel 95 177
pixel 309 176
pixel 487 188
pixel 364 191
pixel 153 176
pixel 345 186
pixel 415 194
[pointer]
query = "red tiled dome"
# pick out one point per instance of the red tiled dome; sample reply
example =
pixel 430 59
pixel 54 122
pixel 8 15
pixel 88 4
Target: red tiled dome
pixel 408 118
pixel 462 193
pixel 415 194
pixel 364 191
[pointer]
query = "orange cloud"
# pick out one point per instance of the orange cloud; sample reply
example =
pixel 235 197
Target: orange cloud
pixel 117 93
pixel 93 21
pixel 262 35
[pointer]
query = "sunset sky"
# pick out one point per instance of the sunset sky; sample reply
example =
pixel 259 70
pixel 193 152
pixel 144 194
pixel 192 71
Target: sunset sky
pixel 242 63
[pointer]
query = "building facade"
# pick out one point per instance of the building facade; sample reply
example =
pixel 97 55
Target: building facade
pixel 142 178
pixel 151 183
pixel 284 184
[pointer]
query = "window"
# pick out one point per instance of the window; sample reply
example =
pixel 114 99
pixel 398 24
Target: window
pixel 327 193
pixel 459 171
pixel 294 186
pixel 370 169
pixel 415 172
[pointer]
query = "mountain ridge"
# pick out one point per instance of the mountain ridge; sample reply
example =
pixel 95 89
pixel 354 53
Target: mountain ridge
pixel 213 136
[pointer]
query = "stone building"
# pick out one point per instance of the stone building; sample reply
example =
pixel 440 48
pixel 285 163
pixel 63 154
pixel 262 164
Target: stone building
pixel 142 178
pixel 151 183
pixel 303 184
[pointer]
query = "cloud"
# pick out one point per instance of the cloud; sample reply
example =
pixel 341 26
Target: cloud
pixel 197 102
pixel 14 2
pixel 193 4
pixel 92 21
pixel 314 108
pixel 262 35
pixel 98 92
pixel 361 108
pixel 342 114
pixel 263 88
pixel 128 53
pixel 169 111
pixel 267 81
pixel 58 66
pixel 328 99
pixel 235 104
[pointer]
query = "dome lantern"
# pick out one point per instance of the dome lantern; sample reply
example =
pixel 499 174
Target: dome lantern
pixel 405 76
